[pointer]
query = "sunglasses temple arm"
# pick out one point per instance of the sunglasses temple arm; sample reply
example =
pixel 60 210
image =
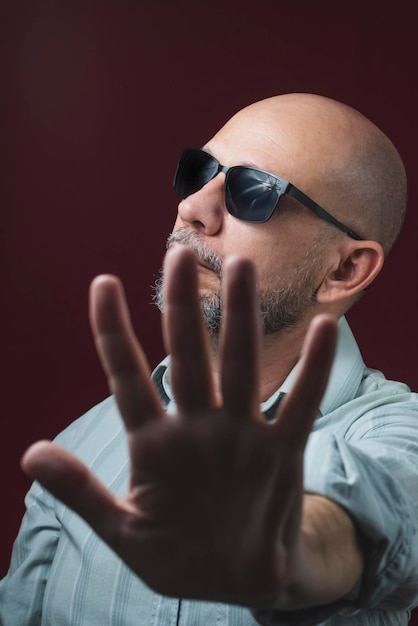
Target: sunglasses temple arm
pixel 296 193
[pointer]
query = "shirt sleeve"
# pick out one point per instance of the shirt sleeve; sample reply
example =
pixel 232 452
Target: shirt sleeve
pixel 22 590
pixel 373 475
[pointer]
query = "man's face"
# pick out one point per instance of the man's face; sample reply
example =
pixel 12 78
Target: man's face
pixel 286 250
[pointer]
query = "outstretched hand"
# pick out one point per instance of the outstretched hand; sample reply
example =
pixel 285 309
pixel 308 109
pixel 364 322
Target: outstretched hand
pixel 215 501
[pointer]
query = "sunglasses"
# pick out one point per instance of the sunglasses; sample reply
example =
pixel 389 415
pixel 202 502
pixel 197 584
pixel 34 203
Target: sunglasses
pixel 251 194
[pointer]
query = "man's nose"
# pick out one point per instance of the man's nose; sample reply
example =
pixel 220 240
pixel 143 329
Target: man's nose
pixel 205 209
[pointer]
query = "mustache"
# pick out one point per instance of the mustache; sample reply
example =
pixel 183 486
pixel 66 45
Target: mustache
pixel 194 241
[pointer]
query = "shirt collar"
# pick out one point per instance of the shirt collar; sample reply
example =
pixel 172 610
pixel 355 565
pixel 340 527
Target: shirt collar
pixel 345 377
pixel 346 372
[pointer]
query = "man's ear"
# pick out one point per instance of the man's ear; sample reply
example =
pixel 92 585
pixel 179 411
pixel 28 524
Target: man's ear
pixel 358 265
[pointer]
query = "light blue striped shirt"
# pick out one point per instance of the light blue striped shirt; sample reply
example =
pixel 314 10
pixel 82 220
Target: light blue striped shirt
pixel 362 453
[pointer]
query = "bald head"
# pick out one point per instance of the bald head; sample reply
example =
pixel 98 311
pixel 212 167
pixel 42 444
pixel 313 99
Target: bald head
pixel 332 152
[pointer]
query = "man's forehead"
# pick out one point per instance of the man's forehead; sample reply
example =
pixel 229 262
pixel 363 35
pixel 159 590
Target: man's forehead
pixel 296 138
pixel 247 140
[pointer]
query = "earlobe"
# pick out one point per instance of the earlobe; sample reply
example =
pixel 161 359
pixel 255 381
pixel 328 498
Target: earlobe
pixel 358 265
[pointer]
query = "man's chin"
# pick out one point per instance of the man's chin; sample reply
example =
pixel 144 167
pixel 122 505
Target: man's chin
pixel 208 280
pixel 211 310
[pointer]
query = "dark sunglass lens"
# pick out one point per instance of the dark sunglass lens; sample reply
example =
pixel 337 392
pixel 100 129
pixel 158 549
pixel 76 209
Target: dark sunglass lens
pixel 251 194
pixel 195 169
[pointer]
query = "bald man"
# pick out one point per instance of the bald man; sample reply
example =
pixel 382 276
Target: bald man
pixel 252 478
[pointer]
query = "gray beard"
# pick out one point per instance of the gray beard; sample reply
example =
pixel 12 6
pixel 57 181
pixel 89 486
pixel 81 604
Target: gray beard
pixel 280 309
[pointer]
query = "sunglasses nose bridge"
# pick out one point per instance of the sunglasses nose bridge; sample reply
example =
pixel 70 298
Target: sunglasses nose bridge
pixel 205 209
pixel 224 169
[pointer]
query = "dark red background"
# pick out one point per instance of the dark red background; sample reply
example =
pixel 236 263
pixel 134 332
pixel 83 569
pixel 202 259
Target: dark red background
pixel 98 98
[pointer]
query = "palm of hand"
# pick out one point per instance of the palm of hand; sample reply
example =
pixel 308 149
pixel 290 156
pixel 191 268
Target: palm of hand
pixel 207 509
